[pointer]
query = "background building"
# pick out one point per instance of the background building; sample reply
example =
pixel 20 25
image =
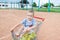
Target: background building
pixel 13 5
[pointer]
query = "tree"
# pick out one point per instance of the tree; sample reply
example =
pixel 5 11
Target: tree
pixel 47 4
pixel 23 2
pixel 34 4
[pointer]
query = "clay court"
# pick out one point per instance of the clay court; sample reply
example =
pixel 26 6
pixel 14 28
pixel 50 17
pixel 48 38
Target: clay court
pixel 49 30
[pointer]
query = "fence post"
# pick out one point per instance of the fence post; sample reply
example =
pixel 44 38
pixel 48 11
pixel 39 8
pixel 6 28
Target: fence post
pixel 26 6
pixel 48 5
pixel 32 4
pixel 22 4
pixel 11 5
pixel 38 5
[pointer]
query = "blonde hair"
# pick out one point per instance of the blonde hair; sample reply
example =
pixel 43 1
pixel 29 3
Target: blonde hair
pixel 31 11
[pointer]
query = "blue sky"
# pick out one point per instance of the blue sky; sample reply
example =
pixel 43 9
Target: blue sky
pixel 56 2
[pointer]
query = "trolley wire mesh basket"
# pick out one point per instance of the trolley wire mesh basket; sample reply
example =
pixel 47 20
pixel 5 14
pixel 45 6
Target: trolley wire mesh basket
pixel 39 22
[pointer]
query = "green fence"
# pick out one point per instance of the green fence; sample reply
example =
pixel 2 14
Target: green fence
pixel 32 5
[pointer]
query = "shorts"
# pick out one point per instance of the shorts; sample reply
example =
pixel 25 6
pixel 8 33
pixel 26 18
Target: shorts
pixel 28 36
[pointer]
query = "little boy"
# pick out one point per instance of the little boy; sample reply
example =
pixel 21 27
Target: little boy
pixel 29 23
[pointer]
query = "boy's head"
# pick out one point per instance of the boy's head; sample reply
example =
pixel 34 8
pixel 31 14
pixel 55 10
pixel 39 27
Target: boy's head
pixel 30 14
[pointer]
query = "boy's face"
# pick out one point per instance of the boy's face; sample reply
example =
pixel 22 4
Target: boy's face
pixel 30 16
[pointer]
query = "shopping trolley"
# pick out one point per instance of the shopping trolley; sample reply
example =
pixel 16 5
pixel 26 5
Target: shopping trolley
pixel 39 22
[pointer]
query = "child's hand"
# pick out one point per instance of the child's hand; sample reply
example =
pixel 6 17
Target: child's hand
pixel 11 30
pixel 24 30
pixel 17 35
pixel 28 29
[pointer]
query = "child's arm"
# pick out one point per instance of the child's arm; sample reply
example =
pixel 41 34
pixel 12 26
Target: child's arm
pixel 30 28
pixel 18 25
pixel 19 31
pixel 22 33
pixel 34 26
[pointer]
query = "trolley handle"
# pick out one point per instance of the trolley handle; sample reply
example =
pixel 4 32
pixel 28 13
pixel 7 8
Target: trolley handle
pixel 39 18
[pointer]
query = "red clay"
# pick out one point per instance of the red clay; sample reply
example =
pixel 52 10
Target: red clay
pixel 49 30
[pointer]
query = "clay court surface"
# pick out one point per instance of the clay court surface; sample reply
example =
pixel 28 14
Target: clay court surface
pixel 49 30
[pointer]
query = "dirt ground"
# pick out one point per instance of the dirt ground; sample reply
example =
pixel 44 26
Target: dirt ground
pixel 49 30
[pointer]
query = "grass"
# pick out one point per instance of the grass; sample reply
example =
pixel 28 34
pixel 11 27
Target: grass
pixel 55 10
pixel 40 9
pixel 46 9
pixel 43 9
